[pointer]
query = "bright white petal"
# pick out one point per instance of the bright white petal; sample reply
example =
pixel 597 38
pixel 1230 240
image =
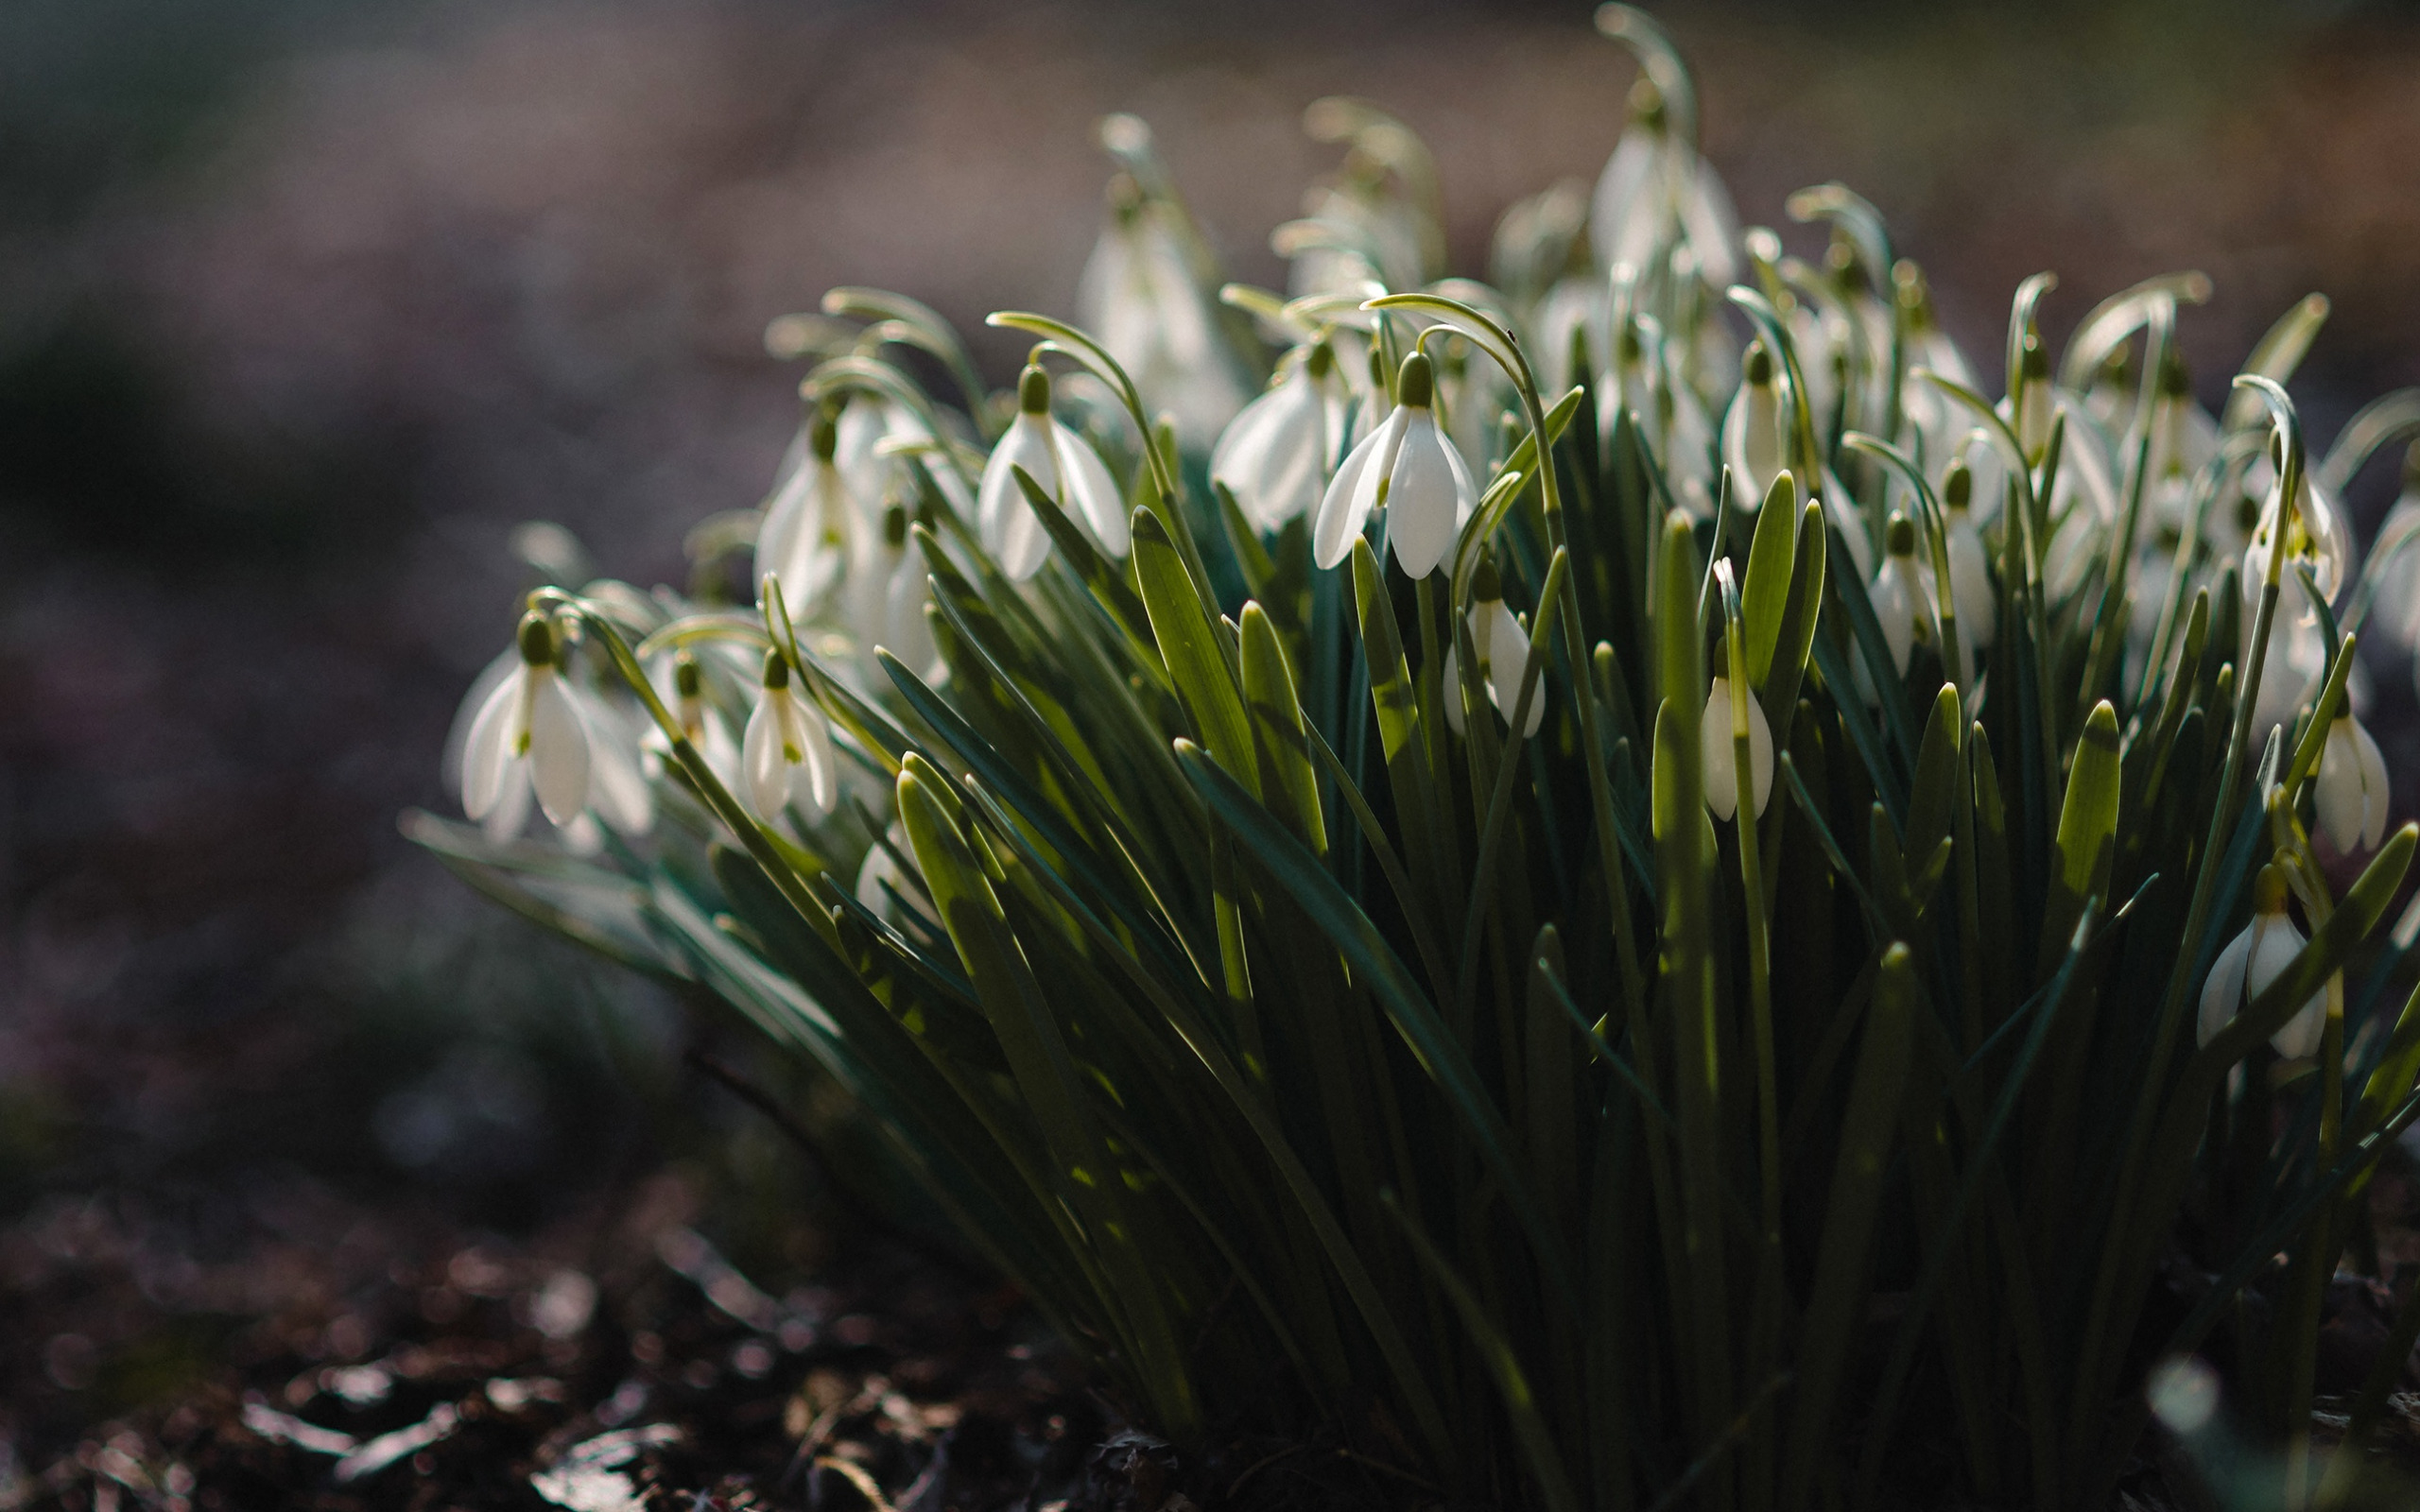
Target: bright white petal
pixel 617 785
pixel 763 774
pixel 511 810
pixel 494 741
pixel 1094 497
pixel 815 741
pixel 1970 583
pixel 559 761
pixel 1421 498
pixel 1344 511
pixel 1895 605
pixel 2374 787
pixel 778 534
pixel 2224 993
pixel 2338 789
pixel 1452 673
pixel 1720 757
pixel 999 505
pixel 1507 657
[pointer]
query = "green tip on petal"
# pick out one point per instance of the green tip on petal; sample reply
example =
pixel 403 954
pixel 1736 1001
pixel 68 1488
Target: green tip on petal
pixel 537 641
pixel 1487 586
pixel 1033 391
pixel 1958 488
pixel 1416 387
pixel 2269 890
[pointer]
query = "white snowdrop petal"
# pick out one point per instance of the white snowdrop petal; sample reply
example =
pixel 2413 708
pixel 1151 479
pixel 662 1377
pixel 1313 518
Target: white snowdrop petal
pixel 2337 789
pixel 1090 490
pixel 1420 498
pixel 2374 787
pixel 2224 993
pixel 1970 583
pixel 999 503
pixel 583 836
pixel 763 774
pixel 823 768
pixel 492 744
pixel 511 810
pixel 778 534
pixel 1507 656
pixel 1344 510
pixel 1720 757
pixel 1894 605
pixel 559 762
pixel 1465 491
pixel 617 785
pixel 1452 673
pixel 1242 453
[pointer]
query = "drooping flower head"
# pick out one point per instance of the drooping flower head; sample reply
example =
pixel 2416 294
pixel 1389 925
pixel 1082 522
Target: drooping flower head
pixel 1502 648
pixel 527 737
pixel 2351 787
pixel 1068 470
pixel 1407 467
pixel 2255 959
pixel 1275 456
pixel 805 541
pixel 1140 296
pixel 1970 577
pixel 1721 752
pixel 786 755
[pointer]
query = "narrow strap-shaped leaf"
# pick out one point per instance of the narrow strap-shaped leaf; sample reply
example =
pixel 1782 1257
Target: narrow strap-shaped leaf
pixel 1289 781
pixel 1196 662
pixel 1836 1302
pixel 1107 584
pixel 1375 961
pixel 1503 1367
pixel 1764 594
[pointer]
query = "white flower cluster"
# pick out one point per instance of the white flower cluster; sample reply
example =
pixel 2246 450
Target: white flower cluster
pixel 1390 421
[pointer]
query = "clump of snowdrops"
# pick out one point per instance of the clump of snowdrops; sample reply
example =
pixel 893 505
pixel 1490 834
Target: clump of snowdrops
pixel 1614 881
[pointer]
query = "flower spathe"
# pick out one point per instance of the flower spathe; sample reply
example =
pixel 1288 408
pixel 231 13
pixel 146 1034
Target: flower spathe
pixel 1274 457
pixel 1409 469
pixel 787 754
pixel 2351 787
pixel 1721 751
pixel 2255 959
pixel 527 737
pixel 1066 467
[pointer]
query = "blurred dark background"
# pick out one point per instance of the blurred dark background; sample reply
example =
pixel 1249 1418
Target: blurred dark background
pixel 304 304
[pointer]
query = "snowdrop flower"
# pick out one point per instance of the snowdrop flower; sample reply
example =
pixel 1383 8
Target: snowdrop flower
pixel 1722 754
pixel 2316 536
pixel 881 876
pixel 684 691
pixel 804 541
pixel 1655 191
pixel 1138 294
pixel 1666 410
pixel 1274 457
pixel 871 433
pixel 1970 578
pixel 1756 429
pixel 2351 787
pixel 526 737
pixel 1067 468
pixel 1936 417
pixel 887 607
pixel 786 753
pixel 1900 599
pixel 2255 959
pixel 1503 649
pixel 1407 467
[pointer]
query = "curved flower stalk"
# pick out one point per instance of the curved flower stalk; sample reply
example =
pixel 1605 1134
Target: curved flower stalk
pixel 1140 297
pixel 2252 961
pixel 1275 456
pixel 1502 646
pixel 2350 787
pixel 1067 468
pixel 1407 467
pixel 787 756
pixel 812 526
